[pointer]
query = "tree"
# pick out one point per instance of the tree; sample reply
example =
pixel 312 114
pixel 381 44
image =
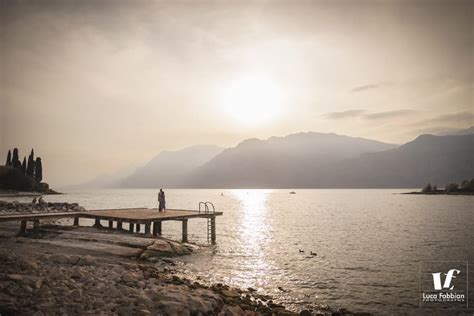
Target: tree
pixel 23 166
pixel 30 169
pixel 467 185
pixel 38 170
pixel 15 161
pixel 452 187
pixel 9 158
pixel 427 188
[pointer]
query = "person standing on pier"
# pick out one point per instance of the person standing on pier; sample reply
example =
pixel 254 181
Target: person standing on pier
pixel 161 201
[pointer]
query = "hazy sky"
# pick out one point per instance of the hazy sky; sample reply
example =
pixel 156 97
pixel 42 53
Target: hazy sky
pixel 96 86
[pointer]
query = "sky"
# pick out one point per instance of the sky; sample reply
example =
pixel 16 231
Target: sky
pixel 100 86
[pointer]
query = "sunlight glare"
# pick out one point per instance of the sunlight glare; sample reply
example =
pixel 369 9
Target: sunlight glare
pixel 253 100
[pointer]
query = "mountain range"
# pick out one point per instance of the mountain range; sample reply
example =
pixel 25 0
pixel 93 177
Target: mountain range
pixel 311 160
pixel 280 162
pixel 169 168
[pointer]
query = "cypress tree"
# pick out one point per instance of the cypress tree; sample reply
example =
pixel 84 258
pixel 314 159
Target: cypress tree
pixel 38 170
pixel 30 168
pixel 9 158
pixel 23 166
pixel 15 161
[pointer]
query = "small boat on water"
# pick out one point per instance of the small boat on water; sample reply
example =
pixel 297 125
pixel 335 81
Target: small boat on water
pixel 292 192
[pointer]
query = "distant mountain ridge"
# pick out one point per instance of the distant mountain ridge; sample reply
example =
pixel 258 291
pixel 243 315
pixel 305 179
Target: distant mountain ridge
pixel 169 168
pixel 465 131
pixel 438 160
pixel 279 161
pixel 311 160
pixel 361 163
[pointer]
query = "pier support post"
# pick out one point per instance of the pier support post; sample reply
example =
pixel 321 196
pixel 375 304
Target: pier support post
pixel 76 221
pixel 138 228
pixel 119 225
pixel 36 225
pixel 97 223
pixel 111 224
pixel 213 230
pixel 185 230
pixel 131 227
pixel 147 228
pixel 22 228
pixel 157 228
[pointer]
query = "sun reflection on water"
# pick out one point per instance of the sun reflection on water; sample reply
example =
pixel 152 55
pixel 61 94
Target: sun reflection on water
pixel 253 231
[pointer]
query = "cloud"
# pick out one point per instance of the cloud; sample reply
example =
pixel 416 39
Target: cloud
pixel 344 114
pixel 459 117
pixel 365 87
pixel 388 114
pixel 373 116
pixel 444 124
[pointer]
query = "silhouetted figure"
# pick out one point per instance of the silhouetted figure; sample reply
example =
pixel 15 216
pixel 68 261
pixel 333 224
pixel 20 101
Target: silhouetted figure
pixel 161 201
pixel 34 200
pixel 41 201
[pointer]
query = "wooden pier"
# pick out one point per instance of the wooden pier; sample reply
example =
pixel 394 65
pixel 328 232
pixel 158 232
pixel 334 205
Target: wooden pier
pixel 151 219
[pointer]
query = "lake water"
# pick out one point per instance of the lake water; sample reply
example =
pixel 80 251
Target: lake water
pixel 368 242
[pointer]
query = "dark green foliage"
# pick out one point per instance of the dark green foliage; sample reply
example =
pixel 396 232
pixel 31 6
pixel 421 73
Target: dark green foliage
pixel 9 159
pixel 30 169
pixel 427 188
pixel 38 170
pixel 23 166
pixel 467 185
pixel 452 187
pixel 14 179
pixel 15 160
pixel 22 176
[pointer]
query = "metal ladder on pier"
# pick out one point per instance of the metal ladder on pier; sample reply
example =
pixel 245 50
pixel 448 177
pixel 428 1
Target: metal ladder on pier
pixel 208 208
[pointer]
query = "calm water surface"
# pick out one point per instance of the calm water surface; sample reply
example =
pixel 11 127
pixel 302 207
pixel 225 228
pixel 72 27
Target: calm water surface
pixel 368 242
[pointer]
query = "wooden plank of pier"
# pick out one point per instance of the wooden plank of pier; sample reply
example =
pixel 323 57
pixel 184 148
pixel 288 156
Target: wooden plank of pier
pixel 133 216
pixel 144 215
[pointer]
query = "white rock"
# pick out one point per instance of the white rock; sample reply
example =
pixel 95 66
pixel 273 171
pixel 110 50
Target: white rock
pixel 15 277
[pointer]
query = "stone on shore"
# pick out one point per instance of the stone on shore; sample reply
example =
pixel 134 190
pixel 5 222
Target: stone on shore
pixel 85 271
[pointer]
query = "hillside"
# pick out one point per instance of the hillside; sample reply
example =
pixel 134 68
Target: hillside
pixel 334 161
pixel 465 131
pixel 291 161
pixel 427 159
pixel 312 160
pixel 169 168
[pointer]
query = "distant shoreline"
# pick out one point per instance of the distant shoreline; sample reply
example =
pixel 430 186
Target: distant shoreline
pixel 440 193
pixel 13 193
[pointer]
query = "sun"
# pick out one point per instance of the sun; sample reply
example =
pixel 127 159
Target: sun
pixel 252 100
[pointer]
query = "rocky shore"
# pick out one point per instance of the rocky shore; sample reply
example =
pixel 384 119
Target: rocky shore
pixel 67 270
pixel 77 271
pixel 33 208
